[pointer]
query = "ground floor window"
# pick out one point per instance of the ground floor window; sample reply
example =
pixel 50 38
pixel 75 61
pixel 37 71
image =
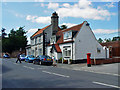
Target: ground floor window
pixel 32 52
pixel 40 51
pixel 67 51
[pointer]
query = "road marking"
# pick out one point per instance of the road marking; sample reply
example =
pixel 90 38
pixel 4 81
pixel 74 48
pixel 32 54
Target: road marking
pixel 106 84
pixel 15 63
pixel 98 72
pixel 56 74
pixel 29 67
pixel 106 73
pixel 43 68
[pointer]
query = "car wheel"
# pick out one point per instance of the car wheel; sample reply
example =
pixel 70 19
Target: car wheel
pixel 40 63
pixel 33 62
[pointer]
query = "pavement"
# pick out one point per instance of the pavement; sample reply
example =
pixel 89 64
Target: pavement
pixel 28 75
pixel 111 69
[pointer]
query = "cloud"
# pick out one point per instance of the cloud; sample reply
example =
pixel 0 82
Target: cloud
pixel 39 0
pixel 32 30
pixel 42 4
pixel 84 9
pixel 105 31
pixel 84 3
pixel 68 24
pixel 15 13
pixel 43 20
pixel 110 5
pixel 30 33
pixel 32 18
pixel 107 0
pixel 66 5
pixel 19 15
pixel 53 5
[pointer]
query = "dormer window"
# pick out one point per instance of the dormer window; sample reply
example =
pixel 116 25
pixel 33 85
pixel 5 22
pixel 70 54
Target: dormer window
pixel 67 35
pixel 70 34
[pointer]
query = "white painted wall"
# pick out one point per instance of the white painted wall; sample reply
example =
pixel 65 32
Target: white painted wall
pixel 86 42
pixel 28 51
pixel 53 54
pixel 57 55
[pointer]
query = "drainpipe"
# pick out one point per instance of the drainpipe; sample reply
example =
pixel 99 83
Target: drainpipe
pixel 106 52
pixel 72 45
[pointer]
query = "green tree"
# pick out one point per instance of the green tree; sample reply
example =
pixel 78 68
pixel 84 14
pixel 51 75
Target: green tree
pixel 100 40
pixel 107 40
pixel 63 27
pixel 3 32
pixel 16 39
pixel 116 38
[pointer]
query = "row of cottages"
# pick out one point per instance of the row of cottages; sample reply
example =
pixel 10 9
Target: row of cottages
pixel 71 43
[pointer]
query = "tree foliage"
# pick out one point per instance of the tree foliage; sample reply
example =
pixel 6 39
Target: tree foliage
pixel 100 40
pixel 116 38
pixel 63 27
pixel 3 32
pixel 109 39
pixel 16 39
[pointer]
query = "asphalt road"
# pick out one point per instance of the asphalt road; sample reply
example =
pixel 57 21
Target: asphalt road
pixel 27 75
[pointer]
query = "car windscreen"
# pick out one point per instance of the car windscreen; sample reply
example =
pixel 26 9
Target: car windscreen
pixel 22 55
pixel 6 54
pixel 31 56
pixel 46 57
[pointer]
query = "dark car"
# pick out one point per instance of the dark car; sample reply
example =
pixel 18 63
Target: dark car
pixel 43 59
pixel 6 56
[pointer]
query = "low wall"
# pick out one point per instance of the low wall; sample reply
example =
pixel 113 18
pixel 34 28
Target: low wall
pixel 105 61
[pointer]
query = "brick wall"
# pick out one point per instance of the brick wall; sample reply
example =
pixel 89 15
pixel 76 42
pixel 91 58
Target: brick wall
pixel 105 61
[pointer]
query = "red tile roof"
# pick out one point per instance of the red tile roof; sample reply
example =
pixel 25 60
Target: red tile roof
pixel 60 32
pixel 58 48
pixel 113 44
pixel 40 31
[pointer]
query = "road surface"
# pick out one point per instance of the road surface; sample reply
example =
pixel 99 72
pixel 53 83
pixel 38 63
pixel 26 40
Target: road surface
pixel 28 75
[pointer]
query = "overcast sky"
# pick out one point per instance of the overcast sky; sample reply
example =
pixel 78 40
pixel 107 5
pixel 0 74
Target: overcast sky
pixel 102 16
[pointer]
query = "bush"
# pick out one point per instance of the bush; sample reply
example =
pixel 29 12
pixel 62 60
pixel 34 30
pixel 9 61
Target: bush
pixel 70 60
pixel 60 60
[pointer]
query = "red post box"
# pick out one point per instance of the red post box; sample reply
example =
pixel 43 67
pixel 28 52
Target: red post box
pixel 88 59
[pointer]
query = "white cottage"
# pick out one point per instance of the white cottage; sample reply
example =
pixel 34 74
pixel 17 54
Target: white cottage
pixel 74 43
pixel 71 43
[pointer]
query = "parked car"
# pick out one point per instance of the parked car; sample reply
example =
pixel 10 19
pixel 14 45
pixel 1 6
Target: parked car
pixel 6 56
pixel 29 58
pixel 22 57
pixel 43 59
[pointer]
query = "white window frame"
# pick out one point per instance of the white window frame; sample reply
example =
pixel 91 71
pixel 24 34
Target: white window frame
pixel 39 39
pixel 67 51
pixel 35 40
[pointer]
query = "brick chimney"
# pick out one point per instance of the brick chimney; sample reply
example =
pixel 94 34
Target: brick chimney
pixel 54 22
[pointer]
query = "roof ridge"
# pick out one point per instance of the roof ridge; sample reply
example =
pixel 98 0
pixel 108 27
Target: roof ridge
pixel 73 26
pixel 40 30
